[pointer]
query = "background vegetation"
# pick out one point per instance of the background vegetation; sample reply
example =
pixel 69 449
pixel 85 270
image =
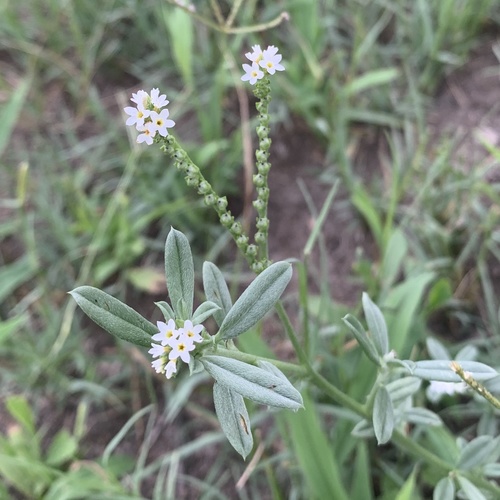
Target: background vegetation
pixel 81 203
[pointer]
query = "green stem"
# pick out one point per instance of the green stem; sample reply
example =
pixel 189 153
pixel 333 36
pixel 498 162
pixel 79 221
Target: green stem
pixel 297 370
pixel 403 442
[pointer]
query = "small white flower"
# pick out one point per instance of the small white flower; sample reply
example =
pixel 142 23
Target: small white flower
pixel 256 55
pixel 159 365
pixel 141 98
pixel 157 100
pixel 191 332
pixel 148 132
pixel 171 368
pixel 252 73
pixel 436 390
pixel 271 60
pixel 167 331
pixel 136 116
pixel 161 122
pixel 181 349
pixel 158 350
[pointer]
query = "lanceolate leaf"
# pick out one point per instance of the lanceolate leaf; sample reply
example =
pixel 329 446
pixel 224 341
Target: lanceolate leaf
pixel 256 300
pixel 440 370
pixel 216 290
pixel 383 416
pixel 114 316
pixel 253 382
pixel 204 311
pixel 233 417
pixel 362 337
pixel 376 324
pixel 179 271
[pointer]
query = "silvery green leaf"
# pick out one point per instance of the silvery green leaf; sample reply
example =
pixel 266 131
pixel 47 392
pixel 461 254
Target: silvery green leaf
pixel 179 271
pixel 436 349
pixel 233 417
pixel 362 337
pixel 216 290
pixel 421 416
pixel 471 491
pixel 467 353
pixel 383 416
pixel 114 316
pixel 363 429
pixel 204 311
pixel 256 300
pixel 253 382
pixel 265 365
pixel 444 490
pixel 182 311
pixel 492 470
pixel 166 310
pixel 440 370
pixel 376 325
pixel 403 388
pixel 477 452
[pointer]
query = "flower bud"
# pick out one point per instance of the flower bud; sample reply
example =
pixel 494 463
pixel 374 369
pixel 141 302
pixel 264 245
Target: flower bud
pixel 265 143
pixel 210 200
pixel 263 167
pixel 236 229
pixel 262 133
pixel 260 237
pixel 222 203
pixel 261 156
pixel 192 181
pixel 262 223
pixel 264 118
pixel 259 180
pixel 226 219
pixel 257 267
pixel 191 170
pixel 242 241
pixel 204 187
pixel 263 193
pixel 259 205
pixel 252 250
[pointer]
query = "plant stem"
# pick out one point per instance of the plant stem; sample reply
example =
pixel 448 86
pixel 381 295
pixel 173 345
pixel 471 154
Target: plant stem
pixel 297 370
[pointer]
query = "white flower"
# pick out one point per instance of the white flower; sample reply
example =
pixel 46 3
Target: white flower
pixel 148 132
pixel 252 73
pixel 136 116
pixel 271 60
pixel 436 390
pixel 181 348
pixel 157 100
pixel 159 365
pixel 191 332
pixel 167 331
pixel 160 122
pixel 256 55
pixel 158 350
pixel 141 98
pixel 171 368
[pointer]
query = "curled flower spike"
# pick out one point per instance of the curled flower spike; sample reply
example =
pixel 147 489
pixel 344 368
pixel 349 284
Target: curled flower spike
pixel 263 62
pixel 148 115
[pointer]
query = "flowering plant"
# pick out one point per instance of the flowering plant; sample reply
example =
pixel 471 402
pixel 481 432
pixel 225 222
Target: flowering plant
pixel 182 338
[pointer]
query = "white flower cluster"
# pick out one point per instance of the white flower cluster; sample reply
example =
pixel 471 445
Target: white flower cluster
pixel 267 60
pixel 148 116
pixel 174 343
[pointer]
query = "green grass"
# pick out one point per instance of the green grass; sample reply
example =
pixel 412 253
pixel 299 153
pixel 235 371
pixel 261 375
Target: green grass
pixel 81 204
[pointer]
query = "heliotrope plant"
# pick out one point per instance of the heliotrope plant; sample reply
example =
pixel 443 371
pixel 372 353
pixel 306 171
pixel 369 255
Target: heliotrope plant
pixel 182 336
pixel 182 339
